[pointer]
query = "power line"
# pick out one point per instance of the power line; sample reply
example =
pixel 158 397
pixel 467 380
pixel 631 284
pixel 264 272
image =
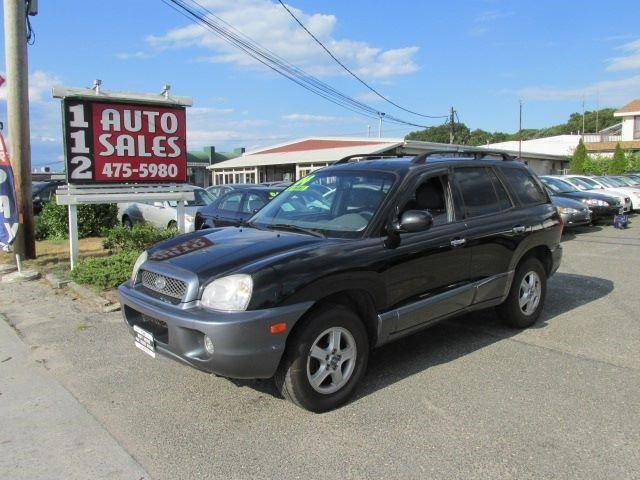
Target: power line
pixel 352 73
pixel 200 15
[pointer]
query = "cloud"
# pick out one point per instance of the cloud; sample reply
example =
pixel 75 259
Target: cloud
pixel 368 97
pixel 40 85
pixel 133 55
pixel 305 117
pixel 485 20
pixel 273 28
pixel 491 16
pixel 628 62
pixel 610 91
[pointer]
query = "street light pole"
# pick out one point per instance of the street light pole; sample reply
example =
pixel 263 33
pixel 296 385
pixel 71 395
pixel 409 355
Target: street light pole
pixel 380 115
pixel 520 134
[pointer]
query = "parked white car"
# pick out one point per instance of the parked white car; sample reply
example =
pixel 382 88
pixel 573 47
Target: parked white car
pixel 583 182
pixel 164 214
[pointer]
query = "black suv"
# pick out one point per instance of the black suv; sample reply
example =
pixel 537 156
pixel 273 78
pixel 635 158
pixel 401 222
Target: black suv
pixel 349 258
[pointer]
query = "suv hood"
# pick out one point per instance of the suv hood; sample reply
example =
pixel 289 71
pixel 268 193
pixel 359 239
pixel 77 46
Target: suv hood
pixel 215 252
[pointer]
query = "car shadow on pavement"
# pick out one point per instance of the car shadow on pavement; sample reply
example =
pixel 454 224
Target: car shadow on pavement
pixel 570 233
pixel 460 336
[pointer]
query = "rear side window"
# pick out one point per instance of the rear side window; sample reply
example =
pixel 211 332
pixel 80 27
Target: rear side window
pixel 481 190
pixel 231 202
pixel 528 191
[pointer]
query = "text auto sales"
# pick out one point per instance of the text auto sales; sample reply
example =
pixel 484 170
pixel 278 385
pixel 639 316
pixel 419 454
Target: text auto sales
pixel 123 145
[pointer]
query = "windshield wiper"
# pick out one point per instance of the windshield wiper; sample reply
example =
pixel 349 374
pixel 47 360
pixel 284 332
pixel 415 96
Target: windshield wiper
pixel 295 228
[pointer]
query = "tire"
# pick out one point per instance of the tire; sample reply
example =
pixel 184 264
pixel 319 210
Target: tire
pixel 314 373
pixel 126 222
pixel 526 298
pixel 173 225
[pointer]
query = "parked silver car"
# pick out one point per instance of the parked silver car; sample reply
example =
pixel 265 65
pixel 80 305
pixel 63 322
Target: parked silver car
pixel 163 214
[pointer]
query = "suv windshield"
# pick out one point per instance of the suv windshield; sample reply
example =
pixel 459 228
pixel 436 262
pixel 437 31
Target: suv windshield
pixel 333 203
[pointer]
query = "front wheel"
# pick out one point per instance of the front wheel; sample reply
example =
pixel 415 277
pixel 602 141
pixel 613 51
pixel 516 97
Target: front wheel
pixel 524 303
pixel 325 359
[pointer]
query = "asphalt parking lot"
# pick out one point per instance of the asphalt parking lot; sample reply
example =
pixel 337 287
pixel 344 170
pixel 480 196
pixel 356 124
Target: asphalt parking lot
pixel 465 399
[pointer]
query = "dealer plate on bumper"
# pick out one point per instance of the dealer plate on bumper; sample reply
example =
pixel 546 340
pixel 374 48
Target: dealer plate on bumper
pixel 144 341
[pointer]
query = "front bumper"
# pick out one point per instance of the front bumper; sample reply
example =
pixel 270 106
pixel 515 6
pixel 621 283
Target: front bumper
pixel 244 347
pixel 603 212
pixel 576 219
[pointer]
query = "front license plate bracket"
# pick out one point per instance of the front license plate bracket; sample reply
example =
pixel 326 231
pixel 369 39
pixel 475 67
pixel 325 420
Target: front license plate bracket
pixel 144 341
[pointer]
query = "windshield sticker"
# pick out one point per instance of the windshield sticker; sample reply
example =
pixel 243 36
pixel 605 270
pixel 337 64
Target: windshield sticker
pixel 182 248
pixel 301 185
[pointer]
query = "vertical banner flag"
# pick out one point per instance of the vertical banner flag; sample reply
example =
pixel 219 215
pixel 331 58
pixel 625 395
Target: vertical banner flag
pixel 8 205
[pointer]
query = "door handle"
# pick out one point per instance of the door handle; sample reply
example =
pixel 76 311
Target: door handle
pixel 518 229
pixel 458 242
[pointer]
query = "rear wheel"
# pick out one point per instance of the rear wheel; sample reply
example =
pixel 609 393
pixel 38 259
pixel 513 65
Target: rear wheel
pixel 325 359
pixel 172 225
pixel 524 303
pixel 126 222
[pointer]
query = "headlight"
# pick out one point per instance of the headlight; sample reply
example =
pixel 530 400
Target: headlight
pixel 594 202
pixel 136 266
pixel 231 293
pixel 567 210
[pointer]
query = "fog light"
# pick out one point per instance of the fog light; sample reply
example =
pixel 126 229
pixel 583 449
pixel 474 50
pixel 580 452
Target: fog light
pixel 208 345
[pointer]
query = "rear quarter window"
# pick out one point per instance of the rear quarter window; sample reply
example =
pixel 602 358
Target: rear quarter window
pixel 482 191
pixel 526 188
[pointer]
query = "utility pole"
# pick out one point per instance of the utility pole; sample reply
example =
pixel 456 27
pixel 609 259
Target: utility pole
pixel 452 127
pixel 583 118
pixel 15 40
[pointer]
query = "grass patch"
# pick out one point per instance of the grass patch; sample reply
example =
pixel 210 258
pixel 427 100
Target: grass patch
pixel 53 254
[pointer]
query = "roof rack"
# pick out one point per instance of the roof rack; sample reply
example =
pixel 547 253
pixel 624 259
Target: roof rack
pixel 365 156
pixel 476 153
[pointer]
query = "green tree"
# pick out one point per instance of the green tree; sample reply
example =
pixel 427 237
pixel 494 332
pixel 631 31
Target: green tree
pixel 578 159
pixel 440 134
pixel 619 161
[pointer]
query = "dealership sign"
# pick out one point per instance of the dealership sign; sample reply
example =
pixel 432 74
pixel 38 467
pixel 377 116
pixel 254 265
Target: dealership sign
pixel 123 139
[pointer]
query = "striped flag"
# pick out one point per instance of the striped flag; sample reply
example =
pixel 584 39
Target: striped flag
pixel 8 205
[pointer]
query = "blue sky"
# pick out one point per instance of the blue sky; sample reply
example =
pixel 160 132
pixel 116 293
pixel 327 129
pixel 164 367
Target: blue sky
pixel 480 57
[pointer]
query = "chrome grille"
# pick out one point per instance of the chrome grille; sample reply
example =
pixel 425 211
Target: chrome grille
pixel 164 285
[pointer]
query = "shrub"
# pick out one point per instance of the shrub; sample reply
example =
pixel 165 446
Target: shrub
pixel 137 238
pixel 597 165
pixel 53 221
pixel 619 161
pixel 93 220
pixel 578 159
pixel 634 162
pixel 105 272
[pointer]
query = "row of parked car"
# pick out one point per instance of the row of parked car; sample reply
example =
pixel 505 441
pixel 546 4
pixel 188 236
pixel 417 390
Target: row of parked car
pixel 217 206
pixel 580 199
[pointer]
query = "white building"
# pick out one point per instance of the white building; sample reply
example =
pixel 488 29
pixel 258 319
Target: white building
pixel 293 160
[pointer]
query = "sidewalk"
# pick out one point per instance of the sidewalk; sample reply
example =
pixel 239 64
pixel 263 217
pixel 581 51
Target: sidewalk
pixel 46 433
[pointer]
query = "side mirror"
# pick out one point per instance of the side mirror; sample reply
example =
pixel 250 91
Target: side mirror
pixel 413 221
pixel 410 221
pixel 158 204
